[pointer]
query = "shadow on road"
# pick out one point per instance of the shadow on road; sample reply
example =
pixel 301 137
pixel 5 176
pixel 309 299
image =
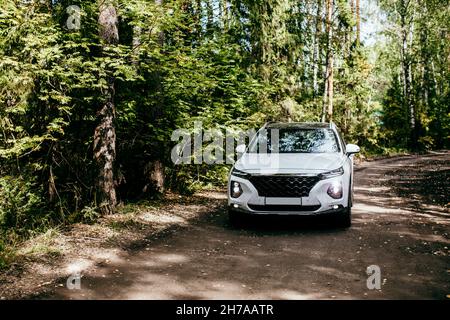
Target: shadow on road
pixel 274 225
pixel 289 257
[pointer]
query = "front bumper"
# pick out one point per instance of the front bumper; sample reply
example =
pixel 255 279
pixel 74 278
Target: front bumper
pixel 339 210
pixel 318 202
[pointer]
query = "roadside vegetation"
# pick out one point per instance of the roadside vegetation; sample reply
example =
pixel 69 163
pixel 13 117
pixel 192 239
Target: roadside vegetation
pixel 91 91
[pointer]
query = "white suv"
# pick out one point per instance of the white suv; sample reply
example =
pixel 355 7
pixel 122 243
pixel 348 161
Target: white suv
pixel 293 169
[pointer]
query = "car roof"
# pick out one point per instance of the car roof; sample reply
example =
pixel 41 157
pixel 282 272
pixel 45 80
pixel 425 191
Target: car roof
pixel 299 125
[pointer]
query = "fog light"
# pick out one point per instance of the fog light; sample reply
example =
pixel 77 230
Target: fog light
pixel 235 206
pixel 236 189
pixel 335 206
pixel 335 190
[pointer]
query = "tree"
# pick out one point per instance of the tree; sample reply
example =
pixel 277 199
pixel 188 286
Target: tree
pixel 105 134
pixel 155 169
pixel 358 23
pixel 417 41
pixel 406 13
pixel 316 45
pixel 327 109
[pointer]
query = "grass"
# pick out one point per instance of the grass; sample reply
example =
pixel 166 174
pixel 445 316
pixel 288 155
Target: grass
pixel 41 244
pixel 7 255
pixel 124 224
pixel 49 241
pixel 13 247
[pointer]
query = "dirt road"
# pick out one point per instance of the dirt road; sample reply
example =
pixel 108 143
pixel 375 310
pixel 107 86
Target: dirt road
pixel 400 223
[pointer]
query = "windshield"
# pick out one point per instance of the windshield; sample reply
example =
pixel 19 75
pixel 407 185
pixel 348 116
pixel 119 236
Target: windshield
pixel 295 140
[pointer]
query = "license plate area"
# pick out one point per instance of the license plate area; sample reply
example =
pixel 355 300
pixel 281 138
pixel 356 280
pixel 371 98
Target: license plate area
pixel 283 201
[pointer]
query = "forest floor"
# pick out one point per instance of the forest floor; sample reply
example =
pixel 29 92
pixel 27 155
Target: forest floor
pixel 184 248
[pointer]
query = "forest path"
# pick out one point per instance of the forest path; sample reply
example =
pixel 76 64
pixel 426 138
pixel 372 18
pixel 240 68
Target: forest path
pixel 400 223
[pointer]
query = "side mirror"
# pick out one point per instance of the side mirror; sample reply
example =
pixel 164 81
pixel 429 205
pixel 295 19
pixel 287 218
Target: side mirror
pixel 240 148
pixel 352 149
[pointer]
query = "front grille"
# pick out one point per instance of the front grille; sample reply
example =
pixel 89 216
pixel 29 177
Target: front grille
pixel 289 186
pixel 283 207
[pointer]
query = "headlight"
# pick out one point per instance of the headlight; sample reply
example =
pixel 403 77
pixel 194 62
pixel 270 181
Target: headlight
pixel 332 173
pixel 236 189
pixel 335 190
pixel 240 174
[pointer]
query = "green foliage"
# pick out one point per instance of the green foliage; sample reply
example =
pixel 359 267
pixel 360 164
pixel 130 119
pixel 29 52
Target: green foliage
pixel 6 254
pixel 424 55
pixel 20 204
pixel 89 214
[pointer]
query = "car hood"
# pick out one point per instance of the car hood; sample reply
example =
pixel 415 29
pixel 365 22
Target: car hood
pixel 289 162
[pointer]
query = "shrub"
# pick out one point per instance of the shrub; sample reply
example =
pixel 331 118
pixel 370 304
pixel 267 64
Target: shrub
pixel 21 205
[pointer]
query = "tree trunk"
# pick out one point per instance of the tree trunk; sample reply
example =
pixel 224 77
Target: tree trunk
pixel 136 43
pixel 406 70
pixel 105 135
pixel 358 23
pixel 327 108
pixel 198 19
pixel 210 17
pixel 225 15
pixel 155 169
pixel 356 9
pixel 325 95
pixel 330 90
pixel 435 83
pixel 316 48
pixel 407 36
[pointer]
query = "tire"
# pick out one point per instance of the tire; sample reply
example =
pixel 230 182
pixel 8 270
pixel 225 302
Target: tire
pixel 236 219
pixel 344 220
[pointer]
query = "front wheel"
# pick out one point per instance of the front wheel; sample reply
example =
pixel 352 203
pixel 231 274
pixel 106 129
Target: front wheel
pixel 344 220
pixel 236 219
